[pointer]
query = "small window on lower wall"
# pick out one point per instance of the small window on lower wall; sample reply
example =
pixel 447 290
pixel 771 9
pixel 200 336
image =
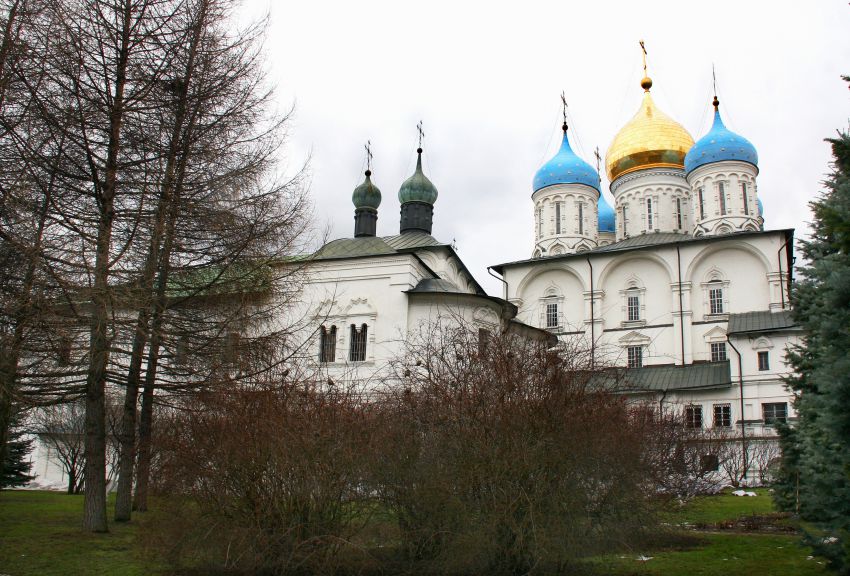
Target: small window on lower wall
pixel 718 351
pixel 774 412
pixel 635 356
pixel 693 416
pixel 764 361
pixel 483 340
pixel 709 463
pixel 722 416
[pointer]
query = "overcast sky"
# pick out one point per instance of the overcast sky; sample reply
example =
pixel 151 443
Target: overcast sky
pixel 486 78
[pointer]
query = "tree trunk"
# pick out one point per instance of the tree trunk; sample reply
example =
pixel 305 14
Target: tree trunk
pixel 94 508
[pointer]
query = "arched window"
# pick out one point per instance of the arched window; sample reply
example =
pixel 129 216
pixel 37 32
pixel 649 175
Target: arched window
pixel 357 344
pixel 327 344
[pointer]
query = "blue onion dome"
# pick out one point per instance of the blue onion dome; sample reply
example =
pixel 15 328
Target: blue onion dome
pixel 606 215
pixel 367 194
pixel 566 168
pixel 720 144
pixel 761 207
pixel 417 188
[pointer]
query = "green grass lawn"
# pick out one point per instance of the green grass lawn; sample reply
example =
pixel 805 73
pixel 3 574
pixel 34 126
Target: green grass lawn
pixel 724 506
pixel 40 535
pixel 719 552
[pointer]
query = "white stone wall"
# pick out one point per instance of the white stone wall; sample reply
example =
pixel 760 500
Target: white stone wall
pixel 724 198
pixel 655 200
pixel 748 269
pixel 561 231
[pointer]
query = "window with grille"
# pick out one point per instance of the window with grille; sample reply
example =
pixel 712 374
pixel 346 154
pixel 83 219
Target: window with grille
pixel 635 356
pixel 625 220
pixel 701 204
pixel 764 361
pixel 552 315
pixel 715 300
pixel 633 307
pixel 557 217
pixel 773 412
pixel 746 200
pixel 483 340
pixel 722 415
pixel 327 344
pixel 357 344
pixel 721 196
pixel 649 223
pixel 64 352
pixel 693 416
pixel 679 213
pixel 718 351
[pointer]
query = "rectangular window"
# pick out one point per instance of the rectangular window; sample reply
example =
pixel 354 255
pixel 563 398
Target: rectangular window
pixel 327 344
pixel 483 340
pixel 649 222
pixel 581 218
pixel 679 214
pixel 552 315
pixel 774 412
pixel 558 217
pixel 693 416
pixel 722 415
pixel 715 300
pixel 633 308
pixel 540 222
pixel 701 204
pixel 635 356
pixel 721 196
pixel 746 200
pixel 764 361
pixel 64 352
pixel 357 344
pixel 625 220
pixel 718 351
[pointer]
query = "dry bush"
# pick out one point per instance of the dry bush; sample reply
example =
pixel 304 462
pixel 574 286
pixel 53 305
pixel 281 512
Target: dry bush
pixel 264 481
pixel 502 457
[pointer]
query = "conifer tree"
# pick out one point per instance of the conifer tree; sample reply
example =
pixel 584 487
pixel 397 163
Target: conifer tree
pixel 16 465
pixel 814 479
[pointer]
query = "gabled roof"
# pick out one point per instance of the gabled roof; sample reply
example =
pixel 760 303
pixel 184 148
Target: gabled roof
pixel 761 321
pixel 671 378
pixel 641 242
pixel 370 246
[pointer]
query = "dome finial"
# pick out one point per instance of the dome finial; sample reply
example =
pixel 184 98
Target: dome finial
pixel 646 81
pixel 564 103
pixel 715 102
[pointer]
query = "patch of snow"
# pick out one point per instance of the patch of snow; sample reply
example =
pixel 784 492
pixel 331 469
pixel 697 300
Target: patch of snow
pixel 743 493
pixel 643 558
pixel 829 540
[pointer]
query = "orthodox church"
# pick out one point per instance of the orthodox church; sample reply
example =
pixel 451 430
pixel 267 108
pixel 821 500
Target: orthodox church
pixel 679 283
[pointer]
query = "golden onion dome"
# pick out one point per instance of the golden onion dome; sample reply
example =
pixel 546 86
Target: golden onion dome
pixel 651 139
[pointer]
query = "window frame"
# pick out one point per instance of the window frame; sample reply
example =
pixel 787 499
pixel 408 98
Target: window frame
pixel 327 344
pixel 722 415
pixel 763 357
pixel 721 197
pixel 693 417
pixel 358 342
pixel 774 409
pixel 718 351
pixel 649 215
pixel 634 356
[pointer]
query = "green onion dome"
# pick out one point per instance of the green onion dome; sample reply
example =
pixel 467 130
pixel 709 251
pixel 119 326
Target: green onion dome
pixel 367 194
pixel 418 188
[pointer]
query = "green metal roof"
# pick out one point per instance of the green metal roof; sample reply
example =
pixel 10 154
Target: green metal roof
pixel 761 321
pixel 670 378
pixel 642 241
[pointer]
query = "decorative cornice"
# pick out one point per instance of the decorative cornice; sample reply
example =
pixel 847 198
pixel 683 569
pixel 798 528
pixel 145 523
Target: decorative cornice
pixel 632 176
